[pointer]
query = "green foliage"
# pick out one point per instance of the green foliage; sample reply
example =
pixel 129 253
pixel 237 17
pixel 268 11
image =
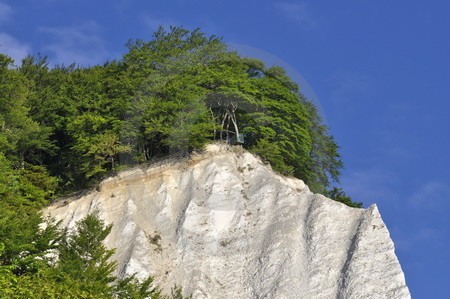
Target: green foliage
pixel 83 256
pixel 131 287
pixel 27 186
pixel 339 195
pixel 173 93
pixel 21 138
pixel 40 285
pixel 22 193
pixel 83 269
pixel 282 120
pixel 84 259
pixel 24 243
pixel 271 153
pixel 84 111
pixel 324 159
pixel 168 113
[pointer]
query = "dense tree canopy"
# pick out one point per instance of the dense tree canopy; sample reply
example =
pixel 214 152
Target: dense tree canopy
pixel 64 128
pixel 173 93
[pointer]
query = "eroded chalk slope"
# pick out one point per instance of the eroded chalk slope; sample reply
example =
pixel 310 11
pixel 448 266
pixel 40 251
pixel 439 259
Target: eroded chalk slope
pixel 223 225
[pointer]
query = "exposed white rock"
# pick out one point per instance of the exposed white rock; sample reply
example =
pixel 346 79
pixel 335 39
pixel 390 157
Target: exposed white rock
pixel 223 225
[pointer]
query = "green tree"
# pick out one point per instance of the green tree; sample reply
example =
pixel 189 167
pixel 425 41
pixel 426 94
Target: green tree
pixel 178 67
pixel 325 161
pixel 84 109
pixel 24 244
pixel 338 194
pixel 22 193
pixel 21 138
pixel 168 111
pixel 282 121
pixel 83 257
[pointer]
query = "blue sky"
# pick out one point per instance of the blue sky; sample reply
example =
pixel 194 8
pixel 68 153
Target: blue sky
pixel 379 70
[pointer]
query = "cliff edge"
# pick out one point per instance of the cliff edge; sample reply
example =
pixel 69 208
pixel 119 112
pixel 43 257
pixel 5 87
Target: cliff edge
pixel 222 224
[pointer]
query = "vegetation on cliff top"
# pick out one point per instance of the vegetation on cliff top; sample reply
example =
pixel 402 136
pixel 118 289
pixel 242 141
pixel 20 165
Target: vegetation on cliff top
pixel 173 93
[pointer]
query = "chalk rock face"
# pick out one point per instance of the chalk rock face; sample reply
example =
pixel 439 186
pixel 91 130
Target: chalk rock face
pixel 222 224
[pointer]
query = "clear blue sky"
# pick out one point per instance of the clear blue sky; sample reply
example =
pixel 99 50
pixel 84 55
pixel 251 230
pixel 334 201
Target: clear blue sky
pixel 378 69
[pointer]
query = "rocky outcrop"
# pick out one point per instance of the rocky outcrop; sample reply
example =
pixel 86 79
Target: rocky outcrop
pixel 222 224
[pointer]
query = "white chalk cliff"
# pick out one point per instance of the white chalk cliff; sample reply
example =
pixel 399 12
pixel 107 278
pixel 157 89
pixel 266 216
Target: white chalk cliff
pixel 222 224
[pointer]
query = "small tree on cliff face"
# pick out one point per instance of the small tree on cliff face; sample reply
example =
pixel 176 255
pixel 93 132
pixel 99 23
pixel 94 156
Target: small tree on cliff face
pixel 338 194
pixel 82 255
pixel 84 261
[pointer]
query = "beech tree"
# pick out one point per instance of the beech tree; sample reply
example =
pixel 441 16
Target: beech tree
pixel 21 138
pixel 325 161
pixel 176 68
